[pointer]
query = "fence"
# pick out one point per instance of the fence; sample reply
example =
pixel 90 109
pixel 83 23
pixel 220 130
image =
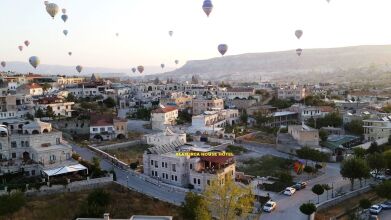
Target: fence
pixel 70 187
pixel 120 145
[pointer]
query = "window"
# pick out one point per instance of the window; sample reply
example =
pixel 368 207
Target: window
pixel 162 164
pixel 172 177
pixel 102 129
pixel 52 157
pixel 208 182
pixel 58 140
pixel 199 181
pixel 165 164
pixel 13 144
pixel 26 144
pixel 33 173
pixel 1 146
pixel 13 155
pixel 94 129
pixel 194 180
pixel 156 165
pixel 110 128
pixel 151 162
pixel 174 167
pixel 191 166
pixel 22 143
pixel 153 173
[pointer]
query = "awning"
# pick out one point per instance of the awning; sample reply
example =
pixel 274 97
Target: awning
pixel 64 169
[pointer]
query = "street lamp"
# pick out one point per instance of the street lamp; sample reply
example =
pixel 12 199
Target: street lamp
pixel 332 190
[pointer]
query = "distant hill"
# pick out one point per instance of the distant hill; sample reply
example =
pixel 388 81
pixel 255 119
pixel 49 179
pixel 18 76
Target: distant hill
pixel 22 67
pixel 332 64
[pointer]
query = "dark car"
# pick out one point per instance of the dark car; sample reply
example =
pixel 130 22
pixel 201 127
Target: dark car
pixel 300 185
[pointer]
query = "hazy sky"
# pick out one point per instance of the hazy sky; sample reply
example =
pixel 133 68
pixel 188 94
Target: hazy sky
pixel 245 25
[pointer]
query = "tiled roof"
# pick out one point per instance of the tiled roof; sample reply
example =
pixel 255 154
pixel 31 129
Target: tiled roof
pixel 101 120
pixel 164 109
pixel 33 86
pixel 217 159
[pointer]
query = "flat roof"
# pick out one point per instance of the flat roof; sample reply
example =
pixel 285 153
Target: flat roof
pixel 276 114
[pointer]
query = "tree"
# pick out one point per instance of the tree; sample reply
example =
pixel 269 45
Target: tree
pixel 109 102
pixel 377 162
pixel 365 203
pixel 354 168
pixel 308 153
pixel 244 117
pixel 327 188
pixel 11 203
pixel 49 112
pixel 375 148
pixel 389 140
pixel 355 127
pixel 359 152
pixel 262 119
pixel 318 190
pixel 323 135
pixel 156 81
pixel 308 208
pixel 70 98
pixel 97 202
pixel 39 113
pixel 228 200
pixel 387 158
pixel 46 87
pixel 384 189
pixel 29 116
pixel 195 207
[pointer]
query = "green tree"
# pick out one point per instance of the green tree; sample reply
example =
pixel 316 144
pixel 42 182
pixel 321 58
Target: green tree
pixel 354 168
pixel 229 200
pixel 195 207
pixel 387 158
pixel 262 119
pixel 377 162
pixel 70 98
pixel 97 203
pixel 109 102
pixel 365 204
pixel 374 147
pixel 355 127
pixel 11 203
pixel 46 87
pixel 280 104
pixel 326 187
pixel 318 190
pixel 384 189
pixel 389 140
pixel 29 116
pixel 308 153
pixel 323 135
pixel 308 208
pixel 244 117
pixel 359 152
pixel 49 112
pixel 39 113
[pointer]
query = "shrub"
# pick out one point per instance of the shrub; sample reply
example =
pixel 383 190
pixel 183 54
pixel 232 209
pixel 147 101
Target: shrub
pixel 309 169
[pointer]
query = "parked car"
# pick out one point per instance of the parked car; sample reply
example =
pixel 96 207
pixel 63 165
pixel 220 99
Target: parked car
pixel 269 206
pixel 300 185
pixel 289 191
pixel 375 209
pixel 386 205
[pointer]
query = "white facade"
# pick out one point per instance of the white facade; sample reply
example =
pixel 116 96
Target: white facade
pixel 213 121
pixel 163 117
pixel 377 128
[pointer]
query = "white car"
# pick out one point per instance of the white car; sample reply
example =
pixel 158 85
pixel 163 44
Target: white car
pixel 269 206
pixel 289 191
pixel 375 209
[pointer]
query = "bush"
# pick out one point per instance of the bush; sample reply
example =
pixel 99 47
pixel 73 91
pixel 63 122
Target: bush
pixel 133 166
pixel 309 169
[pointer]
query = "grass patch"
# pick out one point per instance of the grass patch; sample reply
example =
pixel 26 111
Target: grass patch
pixel 237 150
pixel 123 204
pixel 130 154
pixel 265 166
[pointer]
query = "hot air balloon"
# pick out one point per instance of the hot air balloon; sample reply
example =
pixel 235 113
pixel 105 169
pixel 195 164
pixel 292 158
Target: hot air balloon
pixel 79 68
pixel 328 1
pixel 64 11
pixel 65 32
pixel 52 9
pixel 134 70
pixel 298 33
pixel 222 48
pixel 299 51
pixel 64 17
pixel 34 61
pixel 20 48
pixel 70 53
pixel 46 3
pixel 117 34
pixel 162 65
pixel 176 62
pixel 3 63
pixel 207 6
pixel 140 69
pixel 27 43
pixel 171 33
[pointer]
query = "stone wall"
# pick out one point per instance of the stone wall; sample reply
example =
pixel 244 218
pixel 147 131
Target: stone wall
pixel 120 145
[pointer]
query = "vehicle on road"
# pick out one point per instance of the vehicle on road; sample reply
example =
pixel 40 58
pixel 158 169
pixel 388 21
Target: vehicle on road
pixel 269 206
pixel 386 205
pixel 375 209
pixel 289 191
pixel 300 185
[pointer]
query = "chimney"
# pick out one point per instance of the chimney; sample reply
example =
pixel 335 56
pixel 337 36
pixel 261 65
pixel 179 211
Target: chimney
pixel 106 216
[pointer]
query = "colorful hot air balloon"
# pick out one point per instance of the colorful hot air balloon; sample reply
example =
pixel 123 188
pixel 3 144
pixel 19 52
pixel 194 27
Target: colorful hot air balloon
pixel 162 65
pixel 64 17
pixel 52 9
pixel 27 43
pixel 64 11
pixel 207 6
pixel 299 51
pixel 140 69
pixel 176 62
pixel 79 68
pixel 70 53
pixel 134 69
pixel 298 33
pixel 20 48
pixel 65 32
pixel 170 33
pixel 3 63
pixel 222 48
pixel 328 1
pixel 34 61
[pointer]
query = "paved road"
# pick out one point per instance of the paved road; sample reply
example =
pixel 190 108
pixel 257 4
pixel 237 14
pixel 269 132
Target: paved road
pixel 385 214
pixel 133 181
